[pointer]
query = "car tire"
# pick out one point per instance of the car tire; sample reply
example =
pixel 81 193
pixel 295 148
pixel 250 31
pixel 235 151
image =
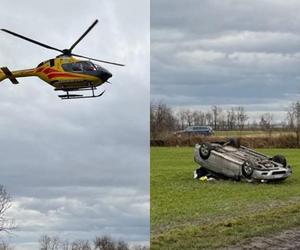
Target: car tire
pixel 205 150
pixel 235 142
pixel 280 159
pixel 248 168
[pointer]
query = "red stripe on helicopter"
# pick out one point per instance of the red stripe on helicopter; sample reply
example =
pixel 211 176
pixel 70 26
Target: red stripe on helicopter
pixel 52 75
pixel 49 70
pixel 40 69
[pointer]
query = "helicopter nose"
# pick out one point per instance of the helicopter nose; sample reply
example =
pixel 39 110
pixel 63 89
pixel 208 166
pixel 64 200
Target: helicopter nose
pixel 105 75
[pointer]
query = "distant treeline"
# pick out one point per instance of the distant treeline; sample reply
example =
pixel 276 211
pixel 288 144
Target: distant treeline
pixel 165 121
pixel 101 243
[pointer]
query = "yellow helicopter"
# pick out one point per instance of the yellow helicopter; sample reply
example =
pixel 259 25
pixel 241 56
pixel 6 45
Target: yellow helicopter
pixel 65 73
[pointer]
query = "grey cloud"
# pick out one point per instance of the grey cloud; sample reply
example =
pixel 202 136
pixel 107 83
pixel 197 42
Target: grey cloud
pixel 225 53
pixel 208 17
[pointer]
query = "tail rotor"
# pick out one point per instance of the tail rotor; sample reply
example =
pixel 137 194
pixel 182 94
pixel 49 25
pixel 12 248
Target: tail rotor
pixel 6 73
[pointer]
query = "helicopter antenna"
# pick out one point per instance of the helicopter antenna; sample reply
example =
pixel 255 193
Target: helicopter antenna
pixel 65 52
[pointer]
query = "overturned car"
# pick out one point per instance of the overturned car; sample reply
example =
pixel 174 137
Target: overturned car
pixel 229 159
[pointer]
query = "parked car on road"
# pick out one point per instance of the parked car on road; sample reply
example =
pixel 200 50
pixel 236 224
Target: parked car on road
pixel 197 130
pixel 231 160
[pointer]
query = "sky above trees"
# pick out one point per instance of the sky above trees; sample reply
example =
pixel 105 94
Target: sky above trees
pixel 226 53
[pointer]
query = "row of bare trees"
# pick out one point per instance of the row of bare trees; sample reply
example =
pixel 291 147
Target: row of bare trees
pixel 102 243
pixel 163 119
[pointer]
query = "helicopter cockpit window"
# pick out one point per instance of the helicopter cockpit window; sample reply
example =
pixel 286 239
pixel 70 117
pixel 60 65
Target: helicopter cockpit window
pixel 72 67
pixel 76 67
pixel 88 66
pixel 84 66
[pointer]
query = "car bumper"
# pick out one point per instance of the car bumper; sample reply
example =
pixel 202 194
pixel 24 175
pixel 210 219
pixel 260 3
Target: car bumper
pixel 276 174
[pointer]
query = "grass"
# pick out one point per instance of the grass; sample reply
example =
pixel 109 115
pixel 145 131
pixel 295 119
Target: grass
pixel 190 214
pixel 233 133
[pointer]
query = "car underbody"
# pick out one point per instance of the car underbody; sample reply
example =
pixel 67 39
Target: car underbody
pixel 231 160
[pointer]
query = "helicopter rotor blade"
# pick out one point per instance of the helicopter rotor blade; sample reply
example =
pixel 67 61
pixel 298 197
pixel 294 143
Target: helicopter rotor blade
pixel 84 34
pixel 118 64
pixel 31 40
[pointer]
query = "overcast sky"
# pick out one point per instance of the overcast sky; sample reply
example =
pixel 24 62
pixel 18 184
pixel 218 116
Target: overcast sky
pixel 76 168
pixel 226 53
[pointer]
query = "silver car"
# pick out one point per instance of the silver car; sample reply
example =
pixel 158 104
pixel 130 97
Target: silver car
pixel 230 160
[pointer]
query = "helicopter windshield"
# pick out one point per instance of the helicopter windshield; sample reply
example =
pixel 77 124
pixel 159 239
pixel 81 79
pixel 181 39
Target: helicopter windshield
pixel 83 66
pixel 88 68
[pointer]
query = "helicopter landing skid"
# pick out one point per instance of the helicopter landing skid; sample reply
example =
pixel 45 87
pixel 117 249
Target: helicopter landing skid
pixel 75 96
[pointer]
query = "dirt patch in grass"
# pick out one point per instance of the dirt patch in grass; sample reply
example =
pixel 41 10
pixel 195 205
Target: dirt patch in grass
pixel 288 239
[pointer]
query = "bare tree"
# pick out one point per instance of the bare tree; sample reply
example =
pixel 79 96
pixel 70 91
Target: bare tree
pixel 5 246
pixel 221 120
pixel 291 118
pixel 241 117
pixel 65 245
pixel 181 118
pixel 152 118
pixel 294 119
pixel 254 125
pixel 231 119
pixel 104 243
pixel 49 243
pixel 162 119
pixel 297 115
pixel 122 245
pixel 215 115
pixel 197 118
pixel 81 245
pixel 266 122
pixel 6 224
pixel 188 117
pixel 45 242
pixel 209 119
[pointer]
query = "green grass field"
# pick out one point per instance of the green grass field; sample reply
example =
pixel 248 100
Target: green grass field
pixel 251 133
pixel 190 214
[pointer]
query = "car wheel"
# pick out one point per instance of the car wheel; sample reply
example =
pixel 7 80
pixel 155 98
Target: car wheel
pixel 248 168
pixel 235 142
pixel 205 150
pixel 280 159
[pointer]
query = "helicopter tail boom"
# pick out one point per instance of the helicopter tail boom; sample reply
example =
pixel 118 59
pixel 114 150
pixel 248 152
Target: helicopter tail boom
pixel 12 75
pixel 2 76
